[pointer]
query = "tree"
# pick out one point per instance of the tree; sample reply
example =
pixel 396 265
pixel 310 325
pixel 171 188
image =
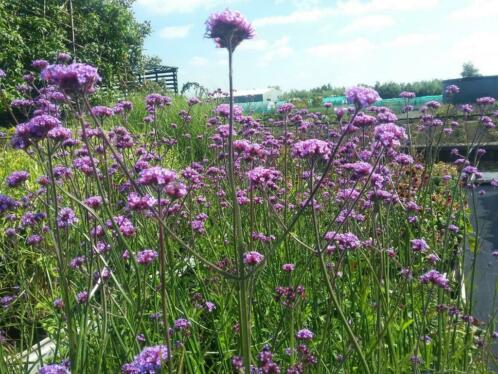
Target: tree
pixel 106 35
pixel 469 70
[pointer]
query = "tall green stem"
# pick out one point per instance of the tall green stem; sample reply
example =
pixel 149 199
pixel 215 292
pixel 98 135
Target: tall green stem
pixel 238 242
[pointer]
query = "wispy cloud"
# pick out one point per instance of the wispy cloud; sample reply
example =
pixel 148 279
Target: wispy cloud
pixel 302 16
pixel 198 61
pixel 353 7
pixel 476 9
pixel 411 40
pixel 277 50
pixel 345 7
pixel 342 50
pixel 476 47
pixel 180 6
pixel 174 32
pixel 370 23
pixel 254 45
pixel 360 47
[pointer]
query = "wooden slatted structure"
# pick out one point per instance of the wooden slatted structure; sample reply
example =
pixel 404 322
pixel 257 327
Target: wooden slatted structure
pixel 166 74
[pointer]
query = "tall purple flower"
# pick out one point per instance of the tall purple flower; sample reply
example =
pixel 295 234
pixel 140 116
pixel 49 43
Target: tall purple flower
pixel 228 29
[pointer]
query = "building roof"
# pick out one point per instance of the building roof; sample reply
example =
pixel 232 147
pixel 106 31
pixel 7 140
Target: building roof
pixel 253 92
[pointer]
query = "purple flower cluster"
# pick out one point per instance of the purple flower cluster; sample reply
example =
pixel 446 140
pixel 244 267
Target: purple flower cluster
pixel 7 203
pixel 76 78
pixel 362 96
pixel 156 176
pixel 228 29
pixel 264 177
pixel 253 258
pixel 223 110
pixel 436 278
pixel 17 178
pixel 304 334
pixel 286 108
pixel 66 218
pixel 149 361
pixel 312 148
pixel 146 256
pixel 390 135
pixel 407 95
pixel 54 369
pixel 452 89
pixel 419 245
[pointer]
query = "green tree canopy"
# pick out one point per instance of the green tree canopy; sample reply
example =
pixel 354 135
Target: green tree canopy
pixel 469 70
pixel 106 34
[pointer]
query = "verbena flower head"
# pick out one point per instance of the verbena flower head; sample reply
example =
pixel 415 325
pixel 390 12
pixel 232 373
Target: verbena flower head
pixel 7 203
pixel 486 100
pixel 149 361
pixel 253 258
pixel 156 176
pixel 304 334
pixel 72 79
pixel 40 64
pixel 146 256
pixel 407 95
pixel 223 110
pixel 17 178
pixel 66 218
pixel 228 29
pixel 452 89
pixel 419 245
pixel 390 135
pixel 362 96
pixel 263 177
pixel 2 74
pixel 436 278
pixel 54 369
pixel 286 108
pixel 312 148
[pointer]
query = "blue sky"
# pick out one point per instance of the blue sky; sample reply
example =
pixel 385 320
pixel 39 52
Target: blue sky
pixel 307 43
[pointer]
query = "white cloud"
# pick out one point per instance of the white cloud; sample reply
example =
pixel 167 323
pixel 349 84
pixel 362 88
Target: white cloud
pixel 254 45
pixel 199 61
pixel 478 48
pixel 303 16
pixel 356 6
pixel 477 9
pixel 410 40
pixel 276 50
pixel 360 47
pixel 174 32
pixel 180 6
pixel 345 7
pixel 369 23
pixel 342 50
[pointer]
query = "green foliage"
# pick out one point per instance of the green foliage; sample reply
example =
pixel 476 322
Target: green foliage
pixel 469 70
pixel 106 34
pixel 386 90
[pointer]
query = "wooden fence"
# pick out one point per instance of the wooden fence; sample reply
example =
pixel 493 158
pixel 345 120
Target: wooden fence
pixel 162 74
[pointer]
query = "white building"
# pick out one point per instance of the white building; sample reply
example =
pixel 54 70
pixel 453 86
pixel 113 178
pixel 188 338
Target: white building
pixel 264 95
